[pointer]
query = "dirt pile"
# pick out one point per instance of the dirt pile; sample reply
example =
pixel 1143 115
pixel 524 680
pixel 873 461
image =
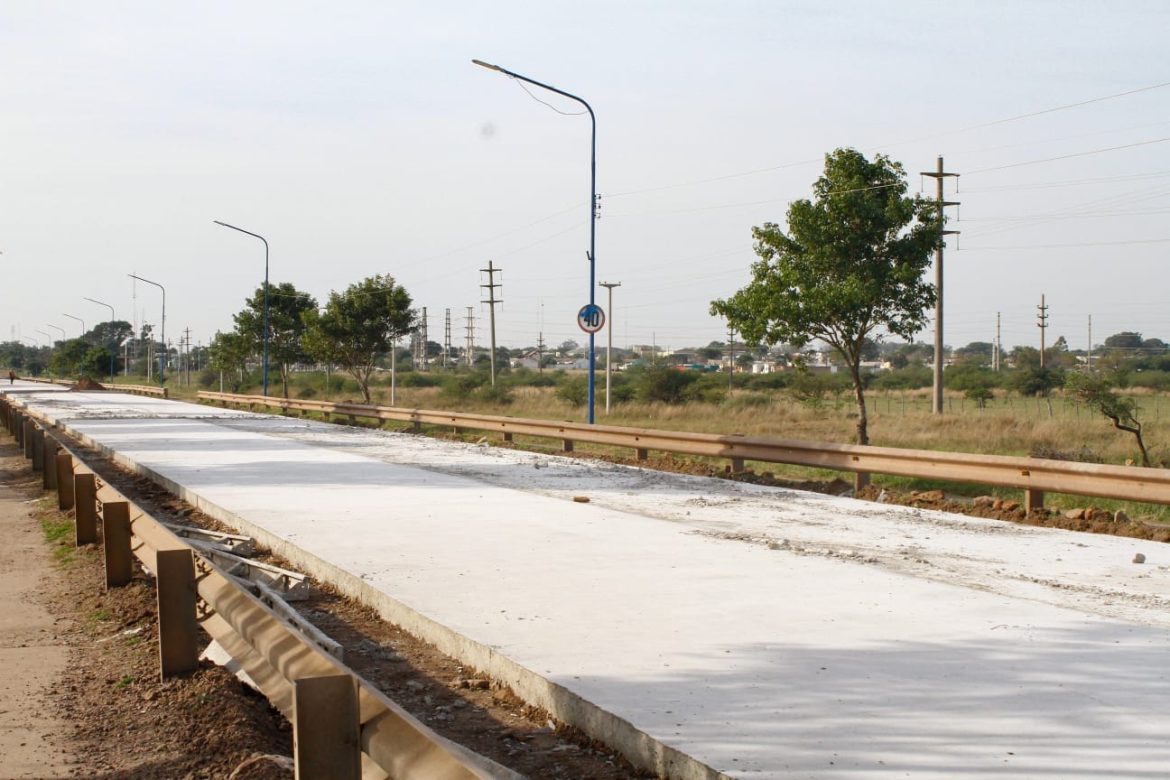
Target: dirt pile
pixel 86 385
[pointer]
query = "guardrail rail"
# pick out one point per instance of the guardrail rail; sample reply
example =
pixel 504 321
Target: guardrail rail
pixel 1035 476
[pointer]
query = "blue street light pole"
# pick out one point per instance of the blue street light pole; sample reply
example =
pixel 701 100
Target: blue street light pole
pixel 257 235
pixel 592 210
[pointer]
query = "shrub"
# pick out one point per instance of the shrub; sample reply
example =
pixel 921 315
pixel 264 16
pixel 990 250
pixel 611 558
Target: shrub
pixel 665 385
pixel 418 379
pixel 574 391
pixel 499 395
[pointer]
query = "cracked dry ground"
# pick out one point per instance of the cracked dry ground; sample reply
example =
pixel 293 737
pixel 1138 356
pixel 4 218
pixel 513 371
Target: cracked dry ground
pixel 121 721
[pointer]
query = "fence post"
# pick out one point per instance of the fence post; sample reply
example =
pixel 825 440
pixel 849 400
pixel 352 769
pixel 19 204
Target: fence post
pixel 27 437
pixel 38 448
pixel 85 508
pixel 1033 500
pixel 116 534
pixel 49 464
pixel 640 453
pixel 64 481
pixel 178 648
pixel 860 481
pixel 566 445
pixel 737 465
pixel 326 730
pixel 18 428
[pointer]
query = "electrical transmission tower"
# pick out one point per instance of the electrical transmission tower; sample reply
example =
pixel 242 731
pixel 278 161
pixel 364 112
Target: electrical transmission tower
pixel 469 351
pixel 941 202
pixel 491 302
pixel 446 337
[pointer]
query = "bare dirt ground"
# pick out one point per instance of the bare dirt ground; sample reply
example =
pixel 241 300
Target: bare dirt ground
pixel 130 725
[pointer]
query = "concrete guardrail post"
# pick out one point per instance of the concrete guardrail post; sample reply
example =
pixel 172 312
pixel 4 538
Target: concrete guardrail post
pixel 85 508
pixel 178 641
pixel 326 729
pixel 119 559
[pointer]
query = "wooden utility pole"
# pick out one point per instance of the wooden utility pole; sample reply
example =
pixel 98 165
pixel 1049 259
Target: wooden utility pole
pixel 938 175
pixel 1042 323
pixel 491 302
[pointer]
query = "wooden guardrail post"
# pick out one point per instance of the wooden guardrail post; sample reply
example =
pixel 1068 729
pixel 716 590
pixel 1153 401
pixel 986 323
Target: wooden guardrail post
pixel 507 436
pixel 85 508
pixel 641 453
pixel 860 481
pixel 26 437
pixel 64 481
pixel 178 648
pixel 1033 500
pixel 326 730
pixel 119 559
pixel 566 445
pixel 17 427
pixel 38 448
pixel 49 464
pixel 737 465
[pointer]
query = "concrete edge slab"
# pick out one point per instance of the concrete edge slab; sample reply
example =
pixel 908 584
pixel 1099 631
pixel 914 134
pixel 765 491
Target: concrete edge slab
pixel 638 747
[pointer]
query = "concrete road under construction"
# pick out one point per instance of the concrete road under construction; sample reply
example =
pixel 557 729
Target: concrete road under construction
pixel 705 628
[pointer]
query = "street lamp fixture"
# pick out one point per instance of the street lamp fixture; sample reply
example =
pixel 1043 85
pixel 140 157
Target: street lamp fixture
pixel 70 316
pixel 162 358
pixel 111 308
pixel 54 327
pixel 592 209
pixel 257 235
pixel 46 335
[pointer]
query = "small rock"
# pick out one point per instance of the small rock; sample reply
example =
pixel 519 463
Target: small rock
pixel 1075 514
pixel 1139 558
pixel 1120 517
pixel 883 497
pixel 1010 506
pixel 984 501
pixel 930 495
pixel 415 685
pixel 997 504
pixel 581 499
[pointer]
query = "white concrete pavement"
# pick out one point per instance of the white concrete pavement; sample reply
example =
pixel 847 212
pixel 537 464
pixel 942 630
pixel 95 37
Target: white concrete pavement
pixel 763 633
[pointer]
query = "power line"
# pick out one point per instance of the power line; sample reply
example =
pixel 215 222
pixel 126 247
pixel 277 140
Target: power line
pixel 1069 156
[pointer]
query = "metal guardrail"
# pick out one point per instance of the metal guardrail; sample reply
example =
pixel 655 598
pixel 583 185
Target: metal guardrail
pixel 154 390
pixel 1035 476
pixel 344 727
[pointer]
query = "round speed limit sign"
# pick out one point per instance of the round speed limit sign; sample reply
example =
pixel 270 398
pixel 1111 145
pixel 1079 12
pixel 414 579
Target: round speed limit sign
pixel 591 318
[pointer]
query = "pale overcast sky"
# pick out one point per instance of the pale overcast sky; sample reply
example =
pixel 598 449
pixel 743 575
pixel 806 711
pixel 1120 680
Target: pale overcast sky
pixel 359 139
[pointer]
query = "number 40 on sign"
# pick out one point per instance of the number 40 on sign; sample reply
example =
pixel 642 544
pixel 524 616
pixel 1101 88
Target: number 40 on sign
pixel 591 318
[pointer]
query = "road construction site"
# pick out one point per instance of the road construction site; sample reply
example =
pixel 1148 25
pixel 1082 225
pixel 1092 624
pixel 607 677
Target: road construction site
pixel 701 627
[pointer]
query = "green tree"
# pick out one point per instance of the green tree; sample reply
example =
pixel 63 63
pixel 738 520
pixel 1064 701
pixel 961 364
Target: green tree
pixel 358 325
pixel 851 263
pixel 286 305
pixel 1096 392
pixel 229 353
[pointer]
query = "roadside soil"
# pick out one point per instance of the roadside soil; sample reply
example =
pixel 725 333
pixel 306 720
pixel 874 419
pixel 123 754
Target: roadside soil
pixel 456 701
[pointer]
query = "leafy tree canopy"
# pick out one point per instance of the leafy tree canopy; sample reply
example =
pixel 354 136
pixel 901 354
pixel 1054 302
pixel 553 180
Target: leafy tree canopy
pixel 849 268
pixel 286 305
pixel 358 325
